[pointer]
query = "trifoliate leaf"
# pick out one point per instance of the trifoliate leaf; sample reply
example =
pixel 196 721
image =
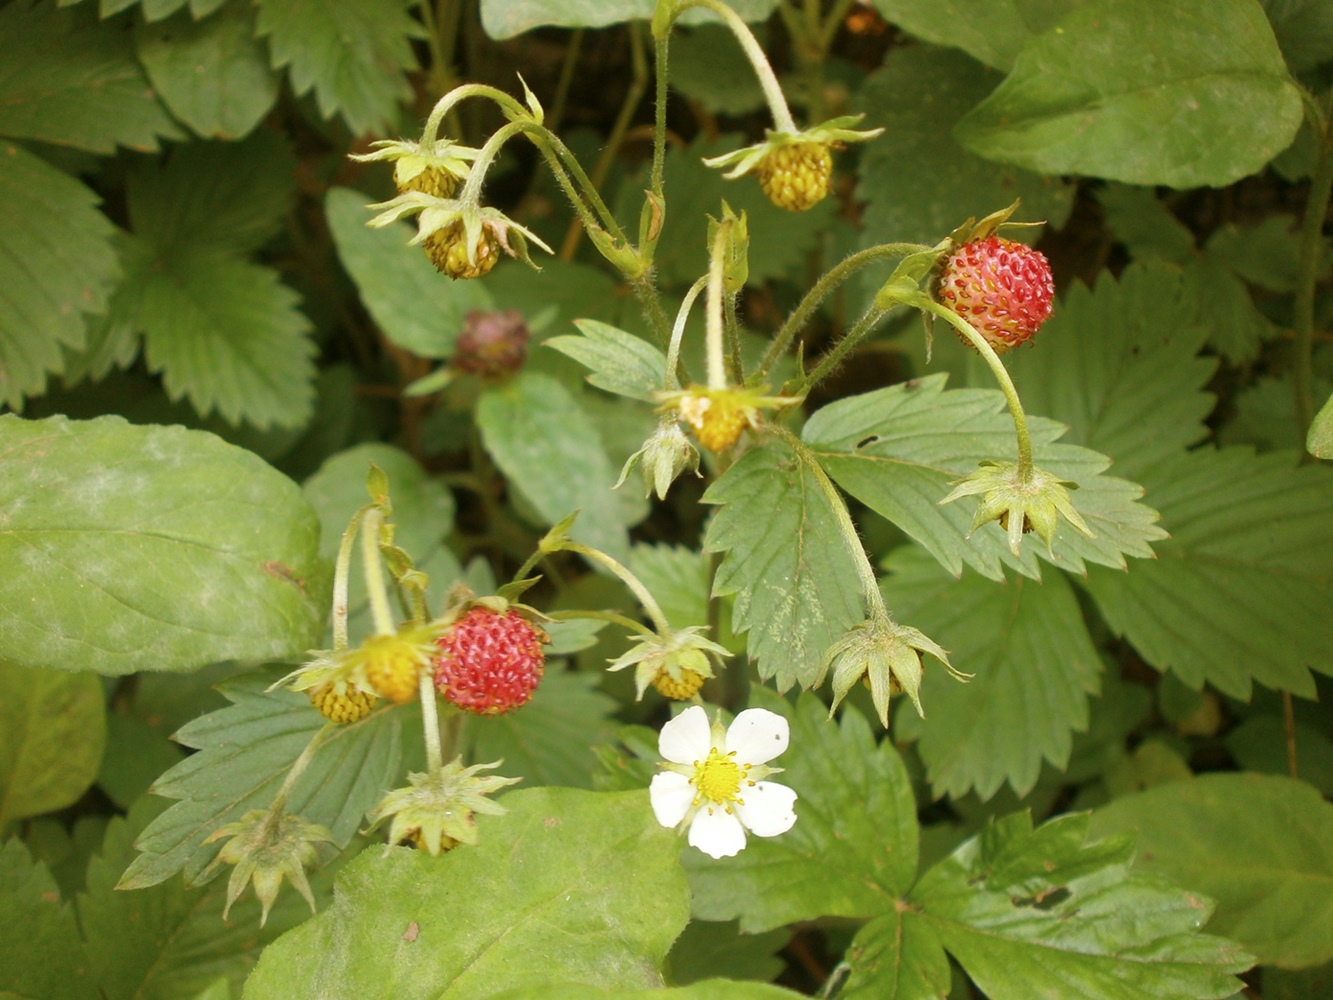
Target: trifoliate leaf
pixel 52 730
pixel 244 753
pixel 1238 592
pixel 1184 94
pixel 1034 665
pixel 353 53
pixel 57 262
pixel 74 81
pixel 853 850
pixel 919 183
pixel 620 362
pixel 506 18
pixel 898 450
pixel 132 544
pixel 1261 845
pixel 1039 913
pixel 586 880
pixel 993 32
pixel 550 450
pixel 213 74
pixel 50 963
pixel 786 561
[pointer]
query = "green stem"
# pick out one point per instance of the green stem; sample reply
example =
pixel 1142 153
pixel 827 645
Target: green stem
pixel 717 374
pixel 1316 210
pixel 823 287
pixel 298 768
pixel 511 107
pixel 735 365
pixel 341 572
pixel 659 115
pixel 997 369
pixel 630 580
pixel 430 722
pixel 602 616
pixel 678 332
pixel 833 358
pixel 373 569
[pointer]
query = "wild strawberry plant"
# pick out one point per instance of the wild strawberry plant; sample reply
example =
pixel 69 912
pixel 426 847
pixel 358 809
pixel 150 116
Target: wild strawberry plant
pixel 487 513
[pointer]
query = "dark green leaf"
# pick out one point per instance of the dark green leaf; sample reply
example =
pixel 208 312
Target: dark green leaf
pixel 786 561
pixel 415 306
pixel 353 53
pixel 708 66
pixel 1184 94
pixel 44 957
pixel 120 567
pixel 1266 254
pixel 897 957
pixel 544 442
pixel 245 751
pixel 136 755
pixel 586 880
pixel 993 31
pixel 1144 225
pixel 52 730
pixel 212 74
pixel 1237 328
pixel 1304 30
pixel 1237 593
pixel 1034 662
pixel 678 578
pixel 1261 845
pixel 72 80
pixel 620 362
pixel 708 949
pixel 506 18
pixel 898 449
pixel 1037 913
pixel 57 262
pixel 853 850
pixel 572 289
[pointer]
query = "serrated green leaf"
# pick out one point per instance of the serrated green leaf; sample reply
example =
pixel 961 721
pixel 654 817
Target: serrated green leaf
pixel 52 730
pixel 1144 225
pixel 993 31
pixel 352 53
pixel 120 566
pixel 1034 662
pixel 1266 254
pixel 1304 31
pixel 1238 592
pixel 786 561
pixel 550 741
pixel 586 880
pixel 227 335
pixel 549 449
pixel 1236 328
pixel 707 949
pixel 412 302
pixel 164 942
pixel 1118 364
pixel 898 449
pixel 1184 94
pixel 1261 845
pixel 619 362
pixel 853 850
pixel 506 18
pixel 57 262
pixel 50 963
pixel 213 74
pixel 897 957
pixel 1265 414
pixel 1034 913
pixel 244 753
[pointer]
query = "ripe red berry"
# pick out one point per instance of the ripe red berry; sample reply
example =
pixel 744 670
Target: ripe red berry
pixel 1004 289
pixel 490 663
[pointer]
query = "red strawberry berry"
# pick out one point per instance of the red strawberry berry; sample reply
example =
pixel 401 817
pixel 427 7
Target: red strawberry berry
pixel 1002 288
pixel 490 663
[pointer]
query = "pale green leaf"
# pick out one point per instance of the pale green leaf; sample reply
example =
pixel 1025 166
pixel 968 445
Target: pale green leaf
pixel 569 886
pixel 1261 845
pixel 1184 94
pixel 1118 364
pixel 213 74
pixel 1037 913
pixel 550 741
pixel 1239 591
pixel 244 753
pixel 898 449
pixel 549 449
pixel 506 18
pixel 352 53
pixel 44 957
pixel 1319 442
pixel 1034 665
pixel 619 362
pixel 131 546
pixel 853 850
pixel 57 262
pixel 52 730
pixel 993 31
pixel 417 307
pixel 786 561
pixel 918 182
pixel 72 80
pixel 708 989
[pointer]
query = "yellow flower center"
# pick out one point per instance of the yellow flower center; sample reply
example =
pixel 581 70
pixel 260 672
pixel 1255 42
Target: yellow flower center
pixel 718 778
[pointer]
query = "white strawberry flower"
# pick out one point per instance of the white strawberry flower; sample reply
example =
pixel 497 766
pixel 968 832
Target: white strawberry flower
pixel 712 779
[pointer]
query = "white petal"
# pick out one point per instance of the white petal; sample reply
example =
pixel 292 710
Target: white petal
pixel 757 736
pixel 686 738
pixel 671 795
pixel 716 832
pixel 767 811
